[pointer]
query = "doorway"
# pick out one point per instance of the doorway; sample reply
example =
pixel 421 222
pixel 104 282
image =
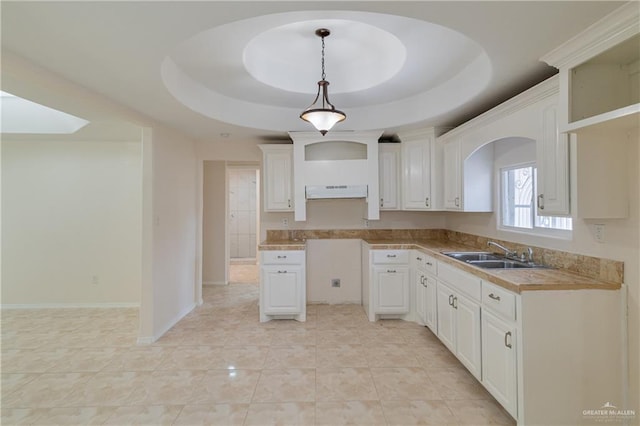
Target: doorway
pixel 243 223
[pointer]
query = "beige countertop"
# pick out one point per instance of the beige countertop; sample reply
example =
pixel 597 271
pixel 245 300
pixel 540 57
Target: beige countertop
pixel 516 280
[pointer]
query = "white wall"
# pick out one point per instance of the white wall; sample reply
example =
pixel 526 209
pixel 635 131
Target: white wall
pixel 170 293
pixel 72 222
pixel 213 224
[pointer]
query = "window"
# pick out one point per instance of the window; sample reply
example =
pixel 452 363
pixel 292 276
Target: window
pixel 519 203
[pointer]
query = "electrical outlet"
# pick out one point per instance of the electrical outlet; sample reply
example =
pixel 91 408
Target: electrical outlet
pixel 95 280
pixel 285 222
pixel 335 282
pixel 366 223
pixel 598 232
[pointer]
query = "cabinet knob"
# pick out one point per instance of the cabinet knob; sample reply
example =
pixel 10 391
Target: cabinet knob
pixel 457 201
pixel 282 272
pixel 391 255
pixel 429 263
pixel 282 257
pixel 381 202
pixel 289 203
pixel 494 297
pixel 541 201
pixel 391 271
pixel 426 202
pixel 507 339
pixel 419 258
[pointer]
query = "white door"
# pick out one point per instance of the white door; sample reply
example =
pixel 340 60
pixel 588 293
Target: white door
pixel 499 373
pixel 281 288
pixel 468 337
pixel 430 306
pixel 388 175
pixel 446 317
pixel 416 188
pixel 452 178
pixel 278 179
pixel 391 286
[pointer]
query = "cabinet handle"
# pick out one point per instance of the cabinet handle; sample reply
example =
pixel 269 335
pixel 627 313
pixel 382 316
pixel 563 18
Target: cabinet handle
pixel 391 271
pixel 422 279
pixel 457 201
pixel 282 257
pixel 494 297
pixel 455 303
pixel 426 202
pixel 419 258
pixel 381 202
pixel 507 339
pixel 391 255
pixel 429 263
pixel 289 202
pixel 451 300
pixel 282 272
pixel 541 201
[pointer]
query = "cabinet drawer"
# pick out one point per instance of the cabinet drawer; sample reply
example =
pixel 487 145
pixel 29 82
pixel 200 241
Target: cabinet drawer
pixel 390 256
pixel 499 300
pixel 282 257
pixel 460 280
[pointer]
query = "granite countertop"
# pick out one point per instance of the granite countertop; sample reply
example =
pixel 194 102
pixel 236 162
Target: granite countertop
pixel 516 280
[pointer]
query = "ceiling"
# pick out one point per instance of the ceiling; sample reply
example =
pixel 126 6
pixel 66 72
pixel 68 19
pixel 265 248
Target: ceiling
pixel 245 70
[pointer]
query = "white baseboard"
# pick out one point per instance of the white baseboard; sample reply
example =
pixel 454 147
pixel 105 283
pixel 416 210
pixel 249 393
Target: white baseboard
pixel 215 283
pixel 68 305
pixel 145 340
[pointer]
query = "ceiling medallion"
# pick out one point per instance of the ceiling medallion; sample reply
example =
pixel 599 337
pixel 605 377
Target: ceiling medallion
pixel 325 116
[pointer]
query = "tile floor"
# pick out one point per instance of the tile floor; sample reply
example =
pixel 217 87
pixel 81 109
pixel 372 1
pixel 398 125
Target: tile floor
pixel 220 366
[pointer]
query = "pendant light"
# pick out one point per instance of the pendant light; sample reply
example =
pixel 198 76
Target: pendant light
pixel 322 116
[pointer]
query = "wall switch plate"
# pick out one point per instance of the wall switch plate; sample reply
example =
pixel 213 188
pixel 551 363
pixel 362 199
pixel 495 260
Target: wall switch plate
pixel 598 232
pixel 335 282
pixel 285 222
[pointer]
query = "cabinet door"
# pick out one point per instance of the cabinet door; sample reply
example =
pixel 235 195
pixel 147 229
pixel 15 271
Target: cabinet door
pixel 391 286
pixel 468 338
pixel 553 167
pixel 421 292
pixel 430 306
pixel 416 182
pixel 452 178
pixel 281 289
pixel 389 176
pixel 499 374
pixel 278 194
pixel 446 316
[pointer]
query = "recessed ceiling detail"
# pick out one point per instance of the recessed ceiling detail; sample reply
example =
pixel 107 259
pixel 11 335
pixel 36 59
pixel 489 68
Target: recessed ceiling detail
pixel 384 69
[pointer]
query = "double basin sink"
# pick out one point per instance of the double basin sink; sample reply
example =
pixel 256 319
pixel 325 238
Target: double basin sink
pixel 490 260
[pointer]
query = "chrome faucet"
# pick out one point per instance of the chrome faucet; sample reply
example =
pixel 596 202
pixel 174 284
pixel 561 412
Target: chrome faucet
pixel 507 252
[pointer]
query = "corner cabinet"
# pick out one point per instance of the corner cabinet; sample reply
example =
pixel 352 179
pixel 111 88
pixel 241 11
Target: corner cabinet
pixel 552 161
pixel 277 177
pixel 282 285
pixel 389 176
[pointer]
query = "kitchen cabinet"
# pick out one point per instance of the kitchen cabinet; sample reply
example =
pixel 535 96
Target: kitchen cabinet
pixel 425 290
pixel 499 346
pixel 282 285
pixel 277 177
pixel 388 290
pixel 552 161
pixel 389 175
pixel 421 168
pixel 458 316
pixel 451 180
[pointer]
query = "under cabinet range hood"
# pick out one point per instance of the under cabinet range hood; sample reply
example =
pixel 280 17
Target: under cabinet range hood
pixel 323 192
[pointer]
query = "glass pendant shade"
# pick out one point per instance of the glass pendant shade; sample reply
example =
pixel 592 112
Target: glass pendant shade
pixel 323 117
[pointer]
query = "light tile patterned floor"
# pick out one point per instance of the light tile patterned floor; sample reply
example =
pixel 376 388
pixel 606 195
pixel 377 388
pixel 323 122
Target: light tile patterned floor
pixel 220 366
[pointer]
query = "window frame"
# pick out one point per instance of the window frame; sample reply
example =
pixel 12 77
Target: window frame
pixel 565 234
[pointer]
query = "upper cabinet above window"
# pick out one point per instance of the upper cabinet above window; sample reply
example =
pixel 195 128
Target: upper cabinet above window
pixel 600 73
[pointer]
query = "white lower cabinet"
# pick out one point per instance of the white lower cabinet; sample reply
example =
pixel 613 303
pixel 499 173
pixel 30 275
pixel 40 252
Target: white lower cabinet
pixel 282 285
pixel 424 277
pixel 499 355
pixel 388 292
pixel 459 327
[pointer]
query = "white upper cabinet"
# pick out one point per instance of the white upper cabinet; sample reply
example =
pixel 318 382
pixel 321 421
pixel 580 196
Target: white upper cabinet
pixel 277 173
pixel 451 181
pixel 600 74
pixel 419 170
pixel 553 167
pixel 389 175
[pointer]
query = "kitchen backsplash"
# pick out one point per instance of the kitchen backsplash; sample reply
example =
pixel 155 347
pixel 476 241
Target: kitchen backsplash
pixel 593 267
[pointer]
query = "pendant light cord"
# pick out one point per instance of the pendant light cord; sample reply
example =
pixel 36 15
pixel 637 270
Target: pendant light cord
pixel 323 74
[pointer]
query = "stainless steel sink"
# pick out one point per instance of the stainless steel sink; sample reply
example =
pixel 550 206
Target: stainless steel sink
pixel 500 264
pixel 488 260
pixel 472 256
